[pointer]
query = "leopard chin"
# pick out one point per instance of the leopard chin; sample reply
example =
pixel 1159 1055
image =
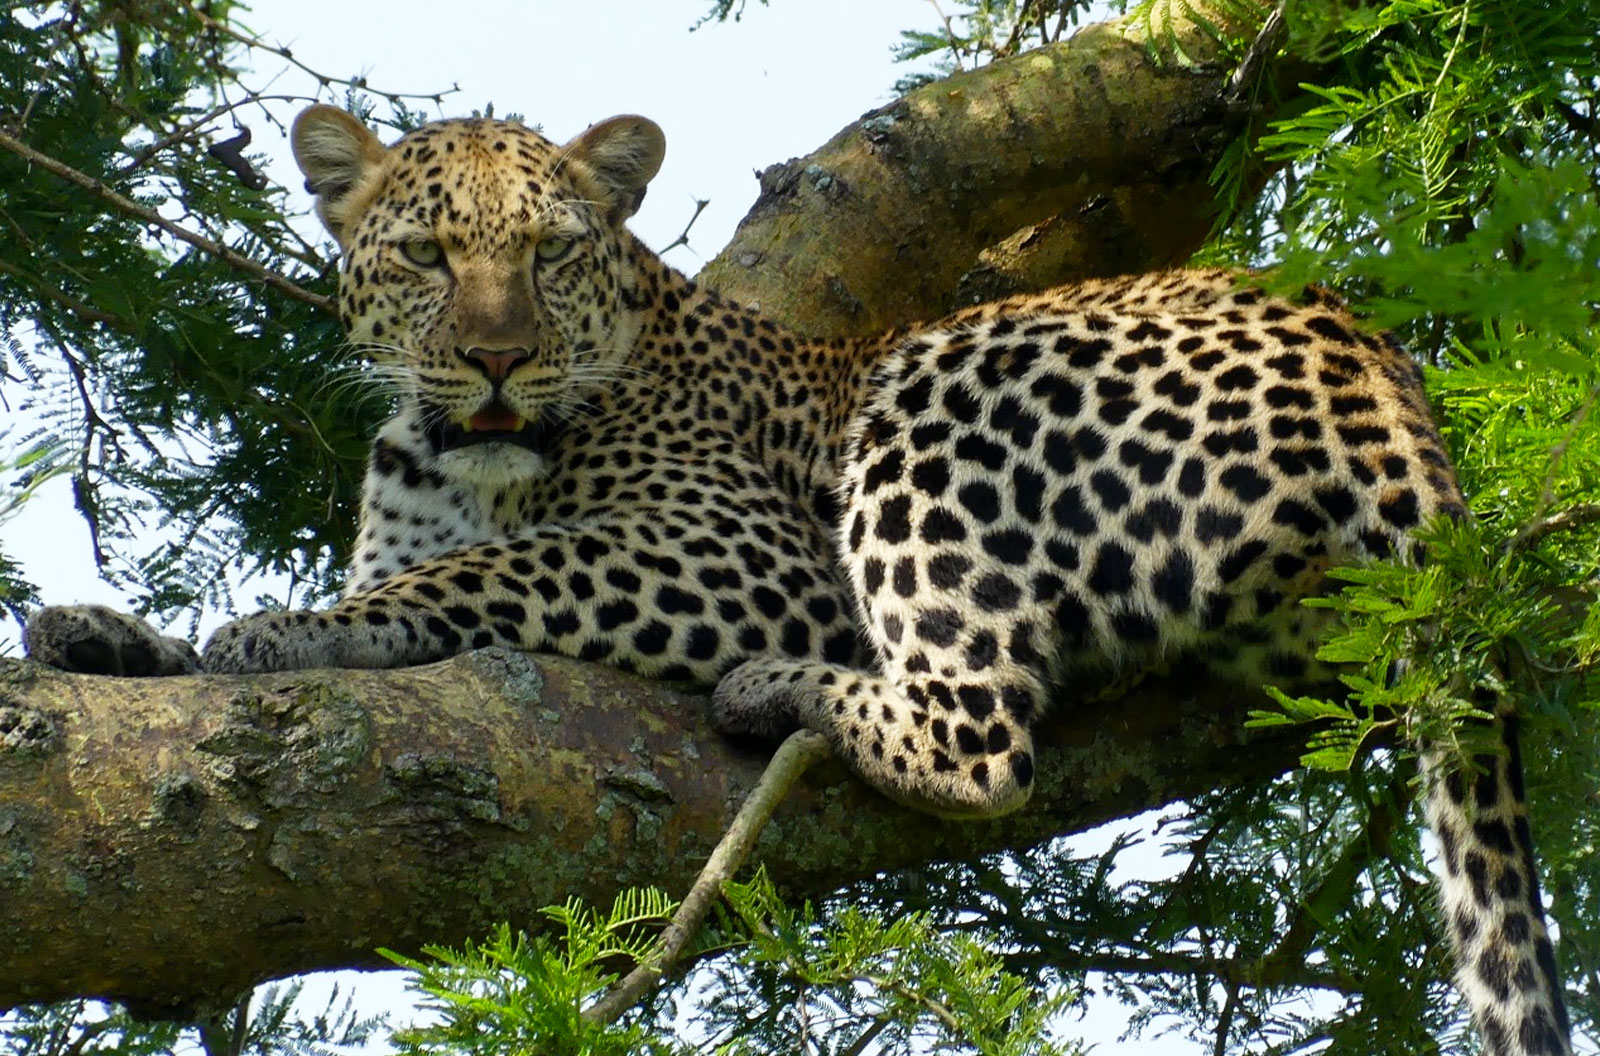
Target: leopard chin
pixel 494 463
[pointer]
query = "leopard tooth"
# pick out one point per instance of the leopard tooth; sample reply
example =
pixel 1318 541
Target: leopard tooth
pixel 518 423
pixel 466 425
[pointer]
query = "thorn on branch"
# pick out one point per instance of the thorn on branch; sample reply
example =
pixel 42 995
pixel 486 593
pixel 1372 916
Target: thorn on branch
pixel 230 152
pixel 683 239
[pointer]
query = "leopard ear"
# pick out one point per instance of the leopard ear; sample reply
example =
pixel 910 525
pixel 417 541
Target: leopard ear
pixel 337 153
pixel 623 153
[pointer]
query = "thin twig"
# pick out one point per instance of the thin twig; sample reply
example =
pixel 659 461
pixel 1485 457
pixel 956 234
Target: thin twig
pixel 1565 521
pixel 949 33
pixel 1339 878
pixel 1225 1020
pixel 89 1032
pixel 1015 37
pixel 792 759
pixel 84 493
pixel 286 55
pixel 683 239
pixel 155 219
pixel 1266 45
pixel 859 1046
pixel 1539 524
pixel 939 1011
pixel 83 311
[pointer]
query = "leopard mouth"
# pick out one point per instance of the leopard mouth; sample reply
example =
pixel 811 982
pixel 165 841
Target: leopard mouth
pixel 494 424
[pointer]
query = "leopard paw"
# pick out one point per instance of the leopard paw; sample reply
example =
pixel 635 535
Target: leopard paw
pixel 759 698
pixel 96 640
pixel 299 641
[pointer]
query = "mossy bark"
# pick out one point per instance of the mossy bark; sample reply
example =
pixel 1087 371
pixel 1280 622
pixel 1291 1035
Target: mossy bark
pixel 170 842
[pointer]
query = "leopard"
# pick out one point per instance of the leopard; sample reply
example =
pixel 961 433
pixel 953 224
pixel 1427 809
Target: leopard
pixel 918 544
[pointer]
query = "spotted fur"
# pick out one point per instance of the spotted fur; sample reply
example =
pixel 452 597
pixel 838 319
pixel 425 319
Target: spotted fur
pixel 912 543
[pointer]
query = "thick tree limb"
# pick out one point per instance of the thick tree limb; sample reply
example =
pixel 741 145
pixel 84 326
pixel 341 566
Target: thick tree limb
pixel 1084 158
pixel 171 841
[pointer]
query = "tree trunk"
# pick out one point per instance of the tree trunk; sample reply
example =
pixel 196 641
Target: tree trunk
pixel 171 842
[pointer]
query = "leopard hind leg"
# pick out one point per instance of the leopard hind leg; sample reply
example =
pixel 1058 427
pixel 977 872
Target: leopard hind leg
pixel 959 749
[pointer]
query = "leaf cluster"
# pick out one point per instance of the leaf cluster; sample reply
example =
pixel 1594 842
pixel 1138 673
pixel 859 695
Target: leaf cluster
pixel 973 33
pixel 275 1027
pixel 775 979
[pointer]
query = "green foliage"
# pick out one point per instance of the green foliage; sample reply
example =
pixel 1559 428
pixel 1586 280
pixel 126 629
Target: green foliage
pixel 823 983
pixel 1160 21
pixel 1249 920
pixel 513 993
pixel 84 1027
pixel 788 981
pixel 26 470
pixel 976 32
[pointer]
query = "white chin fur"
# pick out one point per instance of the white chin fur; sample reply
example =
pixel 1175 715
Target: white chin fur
pixel 493 465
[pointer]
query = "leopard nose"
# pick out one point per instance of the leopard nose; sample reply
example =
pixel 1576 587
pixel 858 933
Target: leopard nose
pixel 496 364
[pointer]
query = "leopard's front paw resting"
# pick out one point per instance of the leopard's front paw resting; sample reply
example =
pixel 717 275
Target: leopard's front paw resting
pixel 297 641
pixel 276 641
pixel 96 640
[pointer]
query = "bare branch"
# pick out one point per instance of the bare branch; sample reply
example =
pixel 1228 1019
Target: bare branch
pixel 1271 37
pixel 1567 520
pixel 132 208
pixel 87 312
pixel 226 29
pixel 683 238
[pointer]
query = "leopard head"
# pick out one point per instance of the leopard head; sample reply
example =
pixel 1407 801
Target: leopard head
pixel 485 270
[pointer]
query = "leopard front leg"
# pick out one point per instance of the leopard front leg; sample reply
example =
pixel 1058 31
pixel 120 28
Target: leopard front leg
pixel 615 590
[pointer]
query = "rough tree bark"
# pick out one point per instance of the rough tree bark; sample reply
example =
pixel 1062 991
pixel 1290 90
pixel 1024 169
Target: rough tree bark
pixel 170 842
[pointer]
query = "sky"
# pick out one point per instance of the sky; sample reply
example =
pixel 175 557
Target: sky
pixel 731 98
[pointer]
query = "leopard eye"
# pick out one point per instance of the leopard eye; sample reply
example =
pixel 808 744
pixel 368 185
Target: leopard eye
pixel 423 252
pixel 549 250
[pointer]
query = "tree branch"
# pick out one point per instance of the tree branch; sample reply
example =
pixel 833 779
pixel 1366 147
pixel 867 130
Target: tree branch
pixel 1084 158
pixel 129 207
pixel 313 816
